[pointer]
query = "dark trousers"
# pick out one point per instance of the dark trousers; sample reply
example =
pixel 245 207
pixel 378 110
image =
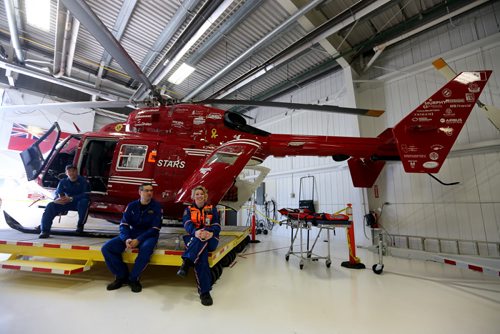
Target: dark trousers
pixel 112 252
pixel 197 252
pixel 53 209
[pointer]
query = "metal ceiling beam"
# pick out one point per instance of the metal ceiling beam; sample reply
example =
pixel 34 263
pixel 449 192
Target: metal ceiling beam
pixel 246 9
pixel 94 25
pixel 381 47
pixel 65 105
pixel 235 19
pixel 264 41
pixel 310 22
pixel 297 81
pixel 46 77
pixel 120 24
pixel 206 11
pixel 168 32
pixel 75 28
pixel 62 40
pixel 14 34
pixel 356 12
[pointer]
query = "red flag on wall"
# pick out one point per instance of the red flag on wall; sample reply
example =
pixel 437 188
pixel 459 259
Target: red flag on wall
pixel 23 136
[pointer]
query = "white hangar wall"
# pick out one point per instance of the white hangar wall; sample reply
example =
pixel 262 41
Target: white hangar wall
pixel 399 81
pixel 37 117
pixel 333 186
pixel 419 205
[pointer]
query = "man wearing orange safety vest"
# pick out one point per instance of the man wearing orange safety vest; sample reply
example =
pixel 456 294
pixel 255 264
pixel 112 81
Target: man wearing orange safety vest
pixel 202 223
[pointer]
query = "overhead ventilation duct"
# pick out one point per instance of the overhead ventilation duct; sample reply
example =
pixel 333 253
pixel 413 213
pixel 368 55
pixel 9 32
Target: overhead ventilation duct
pixel 14 34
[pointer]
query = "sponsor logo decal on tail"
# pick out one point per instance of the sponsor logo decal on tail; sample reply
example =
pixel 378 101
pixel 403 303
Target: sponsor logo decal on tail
pixel 425 137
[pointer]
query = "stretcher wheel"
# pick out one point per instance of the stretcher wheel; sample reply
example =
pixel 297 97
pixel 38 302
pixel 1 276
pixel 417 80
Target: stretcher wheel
pixel 265 232
pixel 301 266
pixel 328 263
pixel 287 257
pixel 378 268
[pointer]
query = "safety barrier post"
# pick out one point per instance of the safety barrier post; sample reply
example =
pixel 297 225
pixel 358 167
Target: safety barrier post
pixel 254 225
pixel 354 262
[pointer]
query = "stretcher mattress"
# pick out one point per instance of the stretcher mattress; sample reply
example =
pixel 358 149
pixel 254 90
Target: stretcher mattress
pixel 314 217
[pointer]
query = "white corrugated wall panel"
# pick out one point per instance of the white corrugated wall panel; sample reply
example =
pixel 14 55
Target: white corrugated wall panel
pixel 420 206
pixel 333 184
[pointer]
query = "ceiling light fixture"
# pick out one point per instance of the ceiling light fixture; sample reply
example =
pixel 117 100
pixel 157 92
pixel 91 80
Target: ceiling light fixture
pixel 38 13
pixel 215 15
pixel 181 74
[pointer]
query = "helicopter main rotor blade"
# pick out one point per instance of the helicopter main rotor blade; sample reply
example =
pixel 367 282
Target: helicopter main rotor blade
pixel 83 13
pixel 492 112
pixel 66 105
pixel 297 106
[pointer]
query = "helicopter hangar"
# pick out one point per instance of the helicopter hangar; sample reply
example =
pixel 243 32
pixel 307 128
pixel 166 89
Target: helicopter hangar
pixel 434 242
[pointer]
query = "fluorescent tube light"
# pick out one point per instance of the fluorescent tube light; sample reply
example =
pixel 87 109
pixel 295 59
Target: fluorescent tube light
pixel 38 13
pixel 182 73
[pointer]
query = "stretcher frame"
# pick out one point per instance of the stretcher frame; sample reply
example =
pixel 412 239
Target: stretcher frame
pixel 301 224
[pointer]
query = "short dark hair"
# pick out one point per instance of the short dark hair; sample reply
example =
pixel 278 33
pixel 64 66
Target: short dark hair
pixel 141 187
pixel 70 167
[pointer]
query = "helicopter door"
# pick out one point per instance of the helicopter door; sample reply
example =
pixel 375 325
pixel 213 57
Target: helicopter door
pixel 134 165
pixel 63 155
pixel 96 161
pixel 35 158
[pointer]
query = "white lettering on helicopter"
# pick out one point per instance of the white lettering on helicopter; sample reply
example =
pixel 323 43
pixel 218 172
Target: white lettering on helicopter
pixel 467 105
pixel 429 103
pixel 214 116
pixel 414 156
pixel 198 120
pixel 171 163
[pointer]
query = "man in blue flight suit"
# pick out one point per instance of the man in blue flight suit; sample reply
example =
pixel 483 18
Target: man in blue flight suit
pixel 71 195
pixel 139 228
pixel 201 221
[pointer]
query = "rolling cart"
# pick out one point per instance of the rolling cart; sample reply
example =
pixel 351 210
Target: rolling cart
pixel 301 220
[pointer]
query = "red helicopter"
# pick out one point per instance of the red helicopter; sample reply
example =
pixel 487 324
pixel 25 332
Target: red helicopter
pixel 179 146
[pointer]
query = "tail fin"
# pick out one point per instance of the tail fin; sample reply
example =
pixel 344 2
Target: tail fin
pixel 492 112
pixel 425 137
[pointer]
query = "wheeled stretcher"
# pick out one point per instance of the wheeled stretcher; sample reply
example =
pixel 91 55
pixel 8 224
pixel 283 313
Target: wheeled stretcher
pixel 301 220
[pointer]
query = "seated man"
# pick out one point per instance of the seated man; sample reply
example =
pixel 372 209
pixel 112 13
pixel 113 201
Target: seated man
pixel 71 194
pixel 139 228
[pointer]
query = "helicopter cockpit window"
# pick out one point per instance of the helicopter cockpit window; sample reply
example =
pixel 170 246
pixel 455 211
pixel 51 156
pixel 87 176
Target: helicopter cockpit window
pixel 131 157
pixel 223 158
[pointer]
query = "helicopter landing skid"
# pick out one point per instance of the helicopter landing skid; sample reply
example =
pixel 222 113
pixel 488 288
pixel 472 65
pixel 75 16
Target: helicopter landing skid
pixel 14 224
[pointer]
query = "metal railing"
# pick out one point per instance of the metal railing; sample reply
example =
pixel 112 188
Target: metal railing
pixel 445 245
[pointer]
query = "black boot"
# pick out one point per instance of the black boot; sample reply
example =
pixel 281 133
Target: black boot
pixel 183 270
pixel 79 228
pixel 135 286
pixel 44 235
pixel 206 299
pixel 116 284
